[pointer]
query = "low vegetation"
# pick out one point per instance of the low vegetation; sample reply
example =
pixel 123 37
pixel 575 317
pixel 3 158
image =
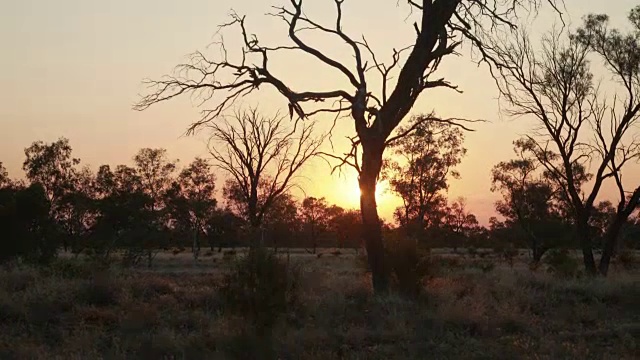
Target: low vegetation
pixel 328 311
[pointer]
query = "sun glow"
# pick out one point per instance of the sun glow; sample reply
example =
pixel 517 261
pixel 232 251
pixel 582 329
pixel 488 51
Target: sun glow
pixel 350 193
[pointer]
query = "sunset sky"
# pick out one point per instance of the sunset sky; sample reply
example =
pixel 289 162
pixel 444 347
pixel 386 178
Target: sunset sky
pixel 73 68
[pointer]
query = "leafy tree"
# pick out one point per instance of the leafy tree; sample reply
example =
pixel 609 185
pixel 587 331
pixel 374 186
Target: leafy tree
pixel 77 210
pixel 4 176
pixel 223 228
pixel 315 215
pixel 52 166
pixel 191 199
pixel 420 169
pixel 529 200
pixel 440 27
pixel 281 222
pixel 126 218
pixel 346 225
pixel 154 173
pixel 29 232
pixel 459 223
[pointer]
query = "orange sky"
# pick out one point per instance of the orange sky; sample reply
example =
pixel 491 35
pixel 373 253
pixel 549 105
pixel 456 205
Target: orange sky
pixel 73 68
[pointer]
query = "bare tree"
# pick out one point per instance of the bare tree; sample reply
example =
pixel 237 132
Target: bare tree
pixel 262 156
pixel 578 128
pixel 440 27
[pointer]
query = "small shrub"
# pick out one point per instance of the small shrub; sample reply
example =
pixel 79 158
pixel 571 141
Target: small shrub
pixel 228 254
pixel 628 260
pixel 71 268
pixel 362 262
pixel 148 288
pixel 261 288
pixel 487 266
pixel 561 263
pixel 509 254
pixel 472 251
pixel 99 291
pixel 17 280
pixel 448 262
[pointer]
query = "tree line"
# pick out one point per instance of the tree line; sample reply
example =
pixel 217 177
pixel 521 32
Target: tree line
pixel 146 207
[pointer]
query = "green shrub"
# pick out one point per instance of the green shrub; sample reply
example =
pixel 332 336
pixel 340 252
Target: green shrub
pixel 261 288
pixel 561 263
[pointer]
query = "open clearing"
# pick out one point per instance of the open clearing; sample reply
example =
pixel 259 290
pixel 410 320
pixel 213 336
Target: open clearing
pixel 175 311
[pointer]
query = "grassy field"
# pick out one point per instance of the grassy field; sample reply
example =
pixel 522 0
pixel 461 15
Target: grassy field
pixel 175 311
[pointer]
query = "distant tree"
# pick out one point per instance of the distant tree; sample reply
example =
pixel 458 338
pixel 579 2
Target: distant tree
pixel 223 228
pixel 262 156
pixel 77 211
pixel 346 225
pixel 281 223
pixel 529 200
pixel 459 223
pixel 52 166
pixel 126 219
pixel 192 201
pixel 28 230
pixel 420 169
pixel 5 180
pixel 578 128
pixel 154 172
pixel 315 215
pixel 375 100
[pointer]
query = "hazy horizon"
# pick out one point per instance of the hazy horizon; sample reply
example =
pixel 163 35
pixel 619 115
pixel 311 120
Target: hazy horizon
pixel 74 69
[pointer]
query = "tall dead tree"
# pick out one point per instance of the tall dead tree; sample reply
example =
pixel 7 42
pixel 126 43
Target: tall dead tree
pixel 581 135
pixel 440 27
pixel 262 155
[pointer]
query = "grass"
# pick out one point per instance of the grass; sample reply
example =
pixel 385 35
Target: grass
pixel 466 312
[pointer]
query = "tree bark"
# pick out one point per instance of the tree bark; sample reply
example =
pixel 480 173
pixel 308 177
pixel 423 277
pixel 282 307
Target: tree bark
pixel 611 240
pixel 372 228
pixel 586 246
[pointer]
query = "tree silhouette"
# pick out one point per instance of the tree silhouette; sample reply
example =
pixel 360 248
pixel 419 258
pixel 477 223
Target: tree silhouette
pixel 577 127
pixel 420 169
pixel 282 224
pixel 529 201
pixel 440 27
pixel 262 155
pixel 315 214
pixel 52 166
pixel 154 172
pixel 4 176
pixel 191 199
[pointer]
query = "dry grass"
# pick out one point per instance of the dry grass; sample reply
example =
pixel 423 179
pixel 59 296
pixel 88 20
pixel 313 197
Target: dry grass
pixel 465 313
